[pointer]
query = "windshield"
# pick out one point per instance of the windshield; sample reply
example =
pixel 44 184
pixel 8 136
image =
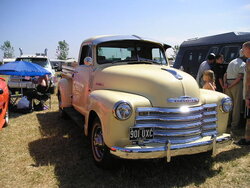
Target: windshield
pixel 39 61
pixel 131 52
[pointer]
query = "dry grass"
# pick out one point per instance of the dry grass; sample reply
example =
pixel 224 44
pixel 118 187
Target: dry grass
pixel 41 150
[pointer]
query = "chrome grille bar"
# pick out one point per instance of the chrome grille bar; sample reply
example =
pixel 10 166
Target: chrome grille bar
pixel 168 118
pixel 170 126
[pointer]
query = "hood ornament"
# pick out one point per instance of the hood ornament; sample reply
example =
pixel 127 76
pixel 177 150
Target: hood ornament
pixel 174 73
pixel 183 99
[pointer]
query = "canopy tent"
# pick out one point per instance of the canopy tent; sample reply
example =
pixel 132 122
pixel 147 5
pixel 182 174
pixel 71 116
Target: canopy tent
pixel 23 68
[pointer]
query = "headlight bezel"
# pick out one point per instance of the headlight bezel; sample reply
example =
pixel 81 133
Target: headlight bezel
pixel 224 105
pixel 116 108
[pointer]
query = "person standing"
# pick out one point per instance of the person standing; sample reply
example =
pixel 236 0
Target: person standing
pixel 209 79
pixel 234 88
pixel 219 71
pixel 205 65
pixel 246 52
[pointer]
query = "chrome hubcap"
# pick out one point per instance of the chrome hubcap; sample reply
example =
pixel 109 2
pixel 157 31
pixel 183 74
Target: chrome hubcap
pixel 98 144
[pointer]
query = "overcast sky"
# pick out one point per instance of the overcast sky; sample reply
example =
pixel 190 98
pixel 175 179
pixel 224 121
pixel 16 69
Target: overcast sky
pixel 35 25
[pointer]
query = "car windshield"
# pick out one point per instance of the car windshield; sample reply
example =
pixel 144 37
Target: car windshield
pixel 39 61
pixel 130 52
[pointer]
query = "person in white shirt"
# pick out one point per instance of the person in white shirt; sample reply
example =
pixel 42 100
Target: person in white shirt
pixel 246 94
pixel 205 65
pixel 233 86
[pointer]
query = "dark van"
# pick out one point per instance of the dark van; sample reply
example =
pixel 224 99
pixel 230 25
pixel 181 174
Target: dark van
pixel 194 51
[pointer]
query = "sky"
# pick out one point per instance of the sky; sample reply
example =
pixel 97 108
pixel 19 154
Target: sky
pixel 34 25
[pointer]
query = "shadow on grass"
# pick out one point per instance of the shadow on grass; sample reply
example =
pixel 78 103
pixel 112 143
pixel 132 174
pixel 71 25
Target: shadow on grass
pixel 65 147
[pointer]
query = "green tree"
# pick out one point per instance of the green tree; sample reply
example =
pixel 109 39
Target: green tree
pixel 175 51
pixel 62 50
pixel 8 50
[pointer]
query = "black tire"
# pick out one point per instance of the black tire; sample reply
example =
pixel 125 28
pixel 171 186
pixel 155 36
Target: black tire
pixel 62 113
pixel 52 90
pixel 100 151
pixel 7 121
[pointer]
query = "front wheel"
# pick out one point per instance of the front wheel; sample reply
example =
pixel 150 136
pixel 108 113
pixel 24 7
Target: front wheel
pixel 100 151
pixel 6 119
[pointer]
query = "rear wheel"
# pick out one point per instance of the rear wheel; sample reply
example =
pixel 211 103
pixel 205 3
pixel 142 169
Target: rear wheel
pixel 62 113
pixel 100 151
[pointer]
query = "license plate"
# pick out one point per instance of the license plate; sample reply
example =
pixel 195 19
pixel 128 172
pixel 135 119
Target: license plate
pixel 141 133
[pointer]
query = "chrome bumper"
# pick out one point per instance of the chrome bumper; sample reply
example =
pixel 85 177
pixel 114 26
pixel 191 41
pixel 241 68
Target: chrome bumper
pixel 160 151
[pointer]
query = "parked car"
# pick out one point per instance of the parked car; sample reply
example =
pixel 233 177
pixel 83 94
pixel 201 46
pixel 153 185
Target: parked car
pixel 57 64
pixel 194 51
pixel 15 83
pixel 4 103
pixel 133 105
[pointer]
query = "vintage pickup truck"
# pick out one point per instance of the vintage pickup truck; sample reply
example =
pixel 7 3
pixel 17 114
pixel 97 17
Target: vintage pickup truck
pixel 133 105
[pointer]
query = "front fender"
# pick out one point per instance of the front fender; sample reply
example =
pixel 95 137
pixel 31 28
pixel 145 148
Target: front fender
pixel 208 97
pixel 65 89
pixel 115 132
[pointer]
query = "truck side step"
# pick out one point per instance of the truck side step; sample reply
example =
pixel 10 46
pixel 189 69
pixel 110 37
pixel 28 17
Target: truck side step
pixel 77 117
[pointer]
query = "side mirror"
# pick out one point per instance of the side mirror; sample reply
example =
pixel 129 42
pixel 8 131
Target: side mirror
pixel 74 64
pixel 88 61
pixel 1 91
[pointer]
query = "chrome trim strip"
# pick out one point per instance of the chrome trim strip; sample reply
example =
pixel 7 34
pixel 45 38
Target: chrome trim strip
pixel 209 126
pixel 167 110
pixel 209 133
pixel 209 113
pixel 179 118
pixel 208 120
pixel 178 133
pixel 177 140
pixel 213 105
pixel 170 126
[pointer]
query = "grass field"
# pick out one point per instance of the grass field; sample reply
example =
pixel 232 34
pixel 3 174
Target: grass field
pixel 41 150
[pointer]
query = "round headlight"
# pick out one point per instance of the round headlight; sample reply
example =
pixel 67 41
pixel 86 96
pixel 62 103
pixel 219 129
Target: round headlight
pixel 226 104
pixel 122 110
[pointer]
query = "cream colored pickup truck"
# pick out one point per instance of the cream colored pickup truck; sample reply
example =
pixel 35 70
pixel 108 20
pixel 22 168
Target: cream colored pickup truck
pixel 133 105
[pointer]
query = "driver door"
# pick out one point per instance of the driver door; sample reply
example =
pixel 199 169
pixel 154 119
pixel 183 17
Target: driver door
pixel 81 82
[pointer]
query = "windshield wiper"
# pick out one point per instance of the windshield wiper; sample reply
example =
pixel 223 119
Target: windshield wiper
pixel 125 60
pixel 148 61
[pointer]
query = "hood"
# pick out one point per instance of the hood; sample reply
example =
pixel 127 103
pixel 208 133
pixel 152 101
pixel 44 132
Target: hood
pixel 162 85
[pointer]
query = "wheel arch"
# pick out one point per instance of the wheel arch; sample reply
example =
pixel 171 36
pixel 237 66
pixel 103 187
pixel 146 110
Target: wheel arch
pixel 91 118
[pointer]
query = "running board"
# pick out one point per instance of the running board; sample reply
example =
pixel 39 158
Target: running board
pixel 77 117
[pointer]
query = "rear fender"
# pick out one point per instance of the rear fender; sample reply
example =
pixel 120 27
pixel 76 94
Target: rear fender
pixel 65 91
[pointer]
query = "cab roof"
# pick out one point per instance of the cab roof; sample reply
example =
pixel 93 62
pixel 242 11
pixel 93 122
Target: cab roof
pixel 107 38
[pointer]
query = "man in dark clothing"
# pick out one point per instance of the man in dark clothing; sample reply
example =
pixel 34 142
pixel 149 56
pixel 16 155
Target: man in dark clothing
pixel 219 70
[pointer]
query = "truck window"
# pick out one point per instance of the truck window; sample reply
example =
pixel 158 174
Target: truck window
pixel 117 51
pixel 213 49
pixel 158 56
pixel 86 52
pixel 230 53
pixel 109 54
pixel 40 61
pixel 192 60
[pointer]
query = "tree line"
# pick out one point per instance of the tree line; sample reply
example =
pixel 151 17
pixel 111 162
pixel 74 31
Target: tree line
pixel 62 50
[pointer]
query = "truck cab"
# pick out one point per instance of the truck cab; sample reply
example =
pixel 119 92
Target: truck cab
pixel 135 106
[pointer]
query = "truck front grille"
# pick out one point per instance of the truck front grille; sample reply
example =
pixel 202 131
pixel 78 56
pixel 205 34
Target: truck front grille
pixel 178 125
